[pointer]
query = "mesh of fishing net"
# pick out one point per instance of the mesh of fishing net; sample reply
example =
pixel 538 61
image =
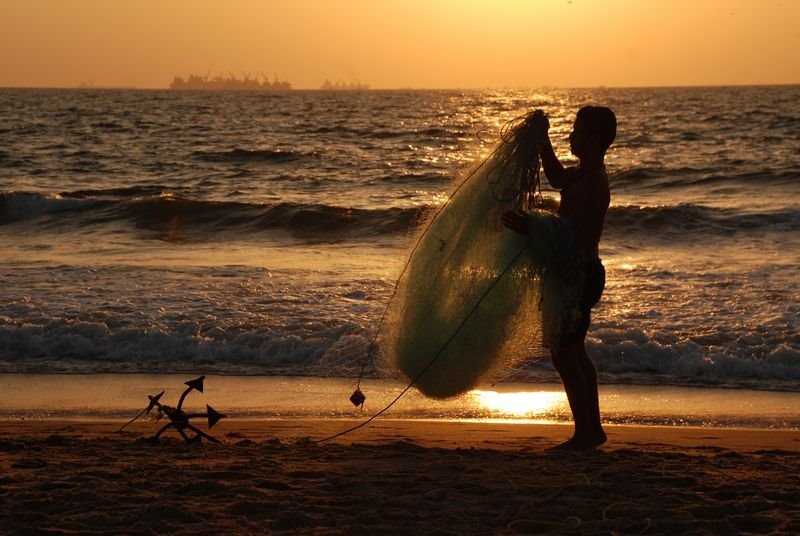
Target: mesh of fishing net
pixel 476 299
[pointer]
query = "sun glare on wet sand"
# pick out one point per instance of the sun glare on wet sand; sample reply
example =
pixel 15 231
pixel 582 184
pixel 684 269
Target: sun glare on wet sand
pixel 529 404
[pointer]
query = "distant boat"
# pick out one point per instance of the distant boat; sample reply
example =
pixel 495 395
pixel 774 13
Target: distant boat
pixel 195 82
pixel 341 86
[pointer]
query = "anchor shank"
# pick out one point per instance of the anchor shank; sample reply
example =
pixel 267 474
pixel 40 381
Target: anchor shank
pixel 183 396
pixel 202 433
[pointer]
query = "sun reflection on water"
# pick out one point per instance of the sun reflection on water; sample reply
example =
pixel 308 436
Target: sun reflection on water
pixel 520 404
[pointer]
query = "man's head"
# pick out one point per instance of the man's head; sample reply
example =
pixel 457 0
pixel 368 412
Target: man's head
pixel 594 131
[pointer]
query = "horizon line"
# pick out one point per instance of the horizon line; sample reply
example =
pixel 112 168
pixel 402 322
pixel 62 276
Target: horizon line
pixel 409 88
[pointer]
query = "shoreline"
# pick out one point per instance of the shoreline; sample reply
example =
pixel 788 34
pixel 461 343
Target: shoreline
pixel 121 396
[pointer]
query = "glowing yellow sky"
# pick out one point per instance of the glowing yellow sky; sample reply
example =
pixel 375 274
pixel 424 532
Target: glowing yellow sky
pixel 402 43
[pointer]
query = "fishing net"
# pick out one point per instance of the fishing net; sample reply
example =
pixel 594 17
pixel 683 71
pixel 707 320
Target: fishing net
pixel 476 298
pixel 476 301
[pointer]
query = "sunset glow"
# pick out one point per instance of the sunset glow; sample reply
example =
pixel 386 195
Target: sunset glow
pixel 442 44
pixel 424 266
pixel 520 404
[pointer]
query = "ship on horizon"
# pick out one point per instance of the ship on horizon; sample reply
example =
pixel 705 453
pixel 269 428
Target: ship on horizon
pixel 341 86
pixel 197 82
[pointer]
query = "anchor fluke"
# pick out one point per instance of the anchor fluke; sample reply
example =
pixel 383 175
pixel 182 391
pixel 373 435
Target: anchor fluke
pixel 196 384
pixel 213 416
pixel 153 401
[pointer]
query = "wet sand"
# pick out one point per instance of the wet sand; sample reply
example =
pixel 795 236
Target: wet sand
pixel 393 477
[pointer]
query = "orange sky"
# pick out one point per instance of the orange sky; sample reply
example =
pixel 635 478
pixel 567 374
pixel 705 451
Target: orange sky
pixel 402 43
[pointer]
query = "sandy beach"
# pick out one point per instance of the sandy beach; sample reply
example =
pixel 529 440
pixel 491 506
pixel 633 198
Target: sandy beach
pixel 395 476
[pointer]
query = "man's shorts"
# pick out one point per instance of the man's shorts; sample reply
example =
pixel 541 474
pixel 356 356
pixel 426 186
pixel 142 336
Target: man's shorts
pixel 593 285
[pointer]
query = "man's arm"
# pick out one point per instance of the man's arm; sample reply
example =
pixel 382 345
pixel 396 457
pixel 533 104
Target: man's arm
pixel 553 169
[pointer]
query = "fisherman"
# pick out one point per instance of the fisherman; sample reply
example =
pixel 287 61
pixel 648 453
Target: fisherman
pixel 585 197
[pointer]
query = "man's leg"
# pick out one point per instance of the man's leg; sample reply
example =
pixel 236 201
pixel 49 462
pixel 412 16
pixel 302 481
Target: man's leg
pixel 580 384
pixel 592 396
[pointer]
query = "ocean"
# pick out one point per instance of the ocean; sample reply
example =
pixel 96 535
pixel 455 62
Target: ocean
pixel 261 233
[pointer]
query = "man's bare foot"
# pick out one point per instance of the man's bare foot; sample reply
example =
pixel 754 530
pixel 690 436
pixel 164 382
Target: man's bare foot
pixel 600 437
pixel 581 443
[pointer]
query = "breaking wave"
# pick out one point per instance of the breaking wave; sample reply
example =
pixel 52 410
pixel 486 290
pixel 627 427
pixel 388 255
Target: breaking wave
pixel 158 211
pixel 152 207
